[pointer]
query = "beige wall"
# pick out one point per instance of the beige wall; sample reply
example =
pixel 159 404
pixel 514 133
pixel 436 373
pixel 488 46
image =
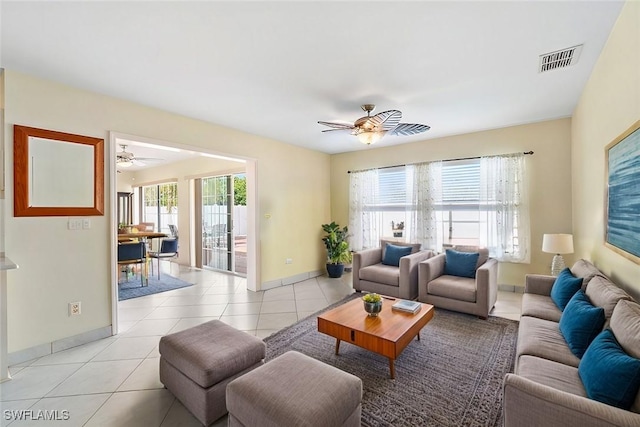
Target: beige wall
pixel 549 170
pixel 609 105
pixel 58 266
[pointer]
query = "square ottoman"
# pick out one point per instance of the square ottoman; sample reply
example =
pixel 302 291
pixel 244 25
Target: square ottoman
pixel 295 390
pixel 197 364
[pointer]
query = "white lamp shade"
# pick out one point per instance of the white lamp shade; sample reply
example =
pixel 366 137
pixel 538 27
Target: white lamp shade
pixel 557 243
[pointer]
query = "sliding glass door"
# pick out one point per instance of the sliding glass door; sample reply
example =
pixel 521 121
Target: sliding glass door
pixel 217 203
pixel 222 214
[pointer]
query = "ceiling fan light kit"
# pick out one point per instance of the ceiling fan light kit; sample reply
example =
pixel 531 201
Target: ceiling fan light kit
pixel 371 129
pixel 369 137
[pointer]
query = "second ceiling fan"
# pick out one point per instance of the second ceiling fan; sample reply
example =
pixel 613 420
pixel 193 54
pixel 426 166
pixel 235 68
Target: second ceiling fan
pixel 127 159
pixel 371 129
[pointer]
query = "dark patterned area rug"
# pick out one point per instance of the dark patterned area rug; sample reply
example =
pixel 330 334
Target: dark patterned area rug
pixel 451 377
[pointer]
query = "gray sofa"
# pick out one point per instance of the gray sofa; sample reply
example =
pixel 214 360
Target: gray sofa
pixel 545 388
pixel 370 275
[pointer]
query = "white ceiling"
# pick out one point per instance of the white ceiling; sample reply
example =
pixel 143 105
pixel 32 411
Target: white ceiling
pixel 276 68
pixel 151 155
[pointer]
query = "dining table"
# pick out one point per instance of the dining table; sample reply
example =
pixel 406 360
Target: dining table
pixel 144 236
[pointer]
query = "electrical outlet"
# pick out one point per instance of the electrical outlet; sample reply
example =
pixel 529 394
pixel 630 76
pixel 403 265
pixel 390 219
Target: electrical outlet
pixel 86 223
pixel 75 308
pixel 288 261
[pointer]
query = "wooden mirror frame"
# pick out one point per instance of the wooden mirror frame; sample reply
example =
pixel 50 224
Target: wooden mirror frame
pixel 22 204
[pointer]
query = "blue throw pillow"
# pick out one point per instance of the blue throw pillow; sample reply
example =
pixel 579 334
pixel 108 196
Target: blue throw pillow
pixel 393 254
pixel 564 287
pixel 461 264
pixel 580 323
pixel 608 373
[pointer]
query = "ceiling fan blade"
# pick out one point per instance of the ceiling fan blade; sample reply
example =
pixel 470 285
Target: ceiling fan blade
pixel 385 120
pixel 409 129
pixel 137 162
pixel 333 130
pixel 148 158
pixel 336 125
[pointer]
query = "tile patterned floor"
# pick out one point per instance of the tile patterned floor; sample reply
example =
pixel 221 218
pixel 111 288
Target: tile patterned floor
pixel 115 382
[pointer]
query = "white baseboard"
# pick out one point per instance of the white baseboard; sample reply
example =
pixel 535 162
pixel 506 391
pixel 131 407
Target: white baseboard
pixel 45 349
pixel 511 288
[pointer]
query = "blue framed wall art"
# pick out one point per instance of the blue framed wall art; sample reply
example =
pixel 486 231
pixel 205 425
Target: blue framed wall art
pixel 623 194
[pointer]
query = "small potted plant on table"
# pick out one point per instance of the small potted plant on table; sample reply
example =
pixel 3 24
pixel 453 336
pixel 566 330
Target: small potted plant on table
pixel 372 304
pixel 337 248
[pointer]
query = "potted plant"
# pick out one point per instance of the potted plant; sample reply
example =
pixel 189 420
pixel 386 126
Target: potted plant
pixel 372 304
pixel 337 248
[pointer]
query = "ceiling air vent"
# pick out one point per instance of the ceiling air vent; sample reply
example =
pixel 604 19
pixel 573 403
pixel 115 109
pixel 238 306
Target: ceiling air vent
pixel 559 59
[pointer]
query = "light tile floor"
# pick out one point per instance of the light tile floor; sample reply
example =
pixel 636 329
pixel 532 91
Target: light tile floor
pixel 115 381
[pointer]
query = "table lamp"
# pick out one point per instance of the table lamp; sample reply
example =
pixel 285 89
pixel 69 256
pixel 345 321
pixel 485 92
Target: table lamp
pixel 557 244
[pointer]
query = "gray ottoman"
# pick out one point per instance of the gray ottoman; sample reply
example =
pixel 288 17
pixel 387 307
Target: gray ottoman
pixel 295 390
pixel 197 364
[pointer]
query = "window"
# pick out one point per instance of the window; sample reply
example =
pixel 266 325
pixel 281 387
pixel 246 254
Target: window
pixel 478 202
pixel 459 213
pixel 160 205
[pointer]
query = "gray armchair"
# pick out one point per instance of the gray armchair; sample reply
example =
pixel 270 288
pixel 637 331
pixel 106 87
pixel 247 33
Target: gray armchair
pixel 468 295
pixel 371 275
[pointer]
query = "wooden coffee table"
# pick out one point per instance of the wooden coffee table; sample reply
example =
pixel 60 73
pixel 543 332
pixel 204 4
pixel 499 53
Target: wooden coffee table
pixel 387 335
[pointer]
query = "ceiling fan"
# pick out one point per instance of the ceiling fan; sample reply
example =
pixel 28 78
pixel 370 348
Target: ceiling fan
pixel 371 129
pixel 125 159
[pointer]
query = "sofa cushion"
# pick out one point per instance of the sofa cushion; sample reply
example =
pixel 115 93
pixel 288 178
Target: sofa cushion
pixel 609 374
pixel 542 338
pixel 540 306
pixel 552 374
pixel 483 252
pixel 461 264
pixel 586 270
pixel 625 325
pixel 580 323
pixel 415 247
pixel 453 287
pixel 564 287
pixel 393 253
pixel 603 293
pixel 381 273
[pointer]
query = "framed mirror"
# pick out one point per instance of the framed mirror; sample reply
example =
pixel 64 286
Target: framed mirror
pixel 56 173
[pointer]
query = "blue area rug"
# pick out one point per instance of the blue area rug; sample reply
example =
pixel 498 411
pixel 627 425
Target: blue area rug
pixel 132 289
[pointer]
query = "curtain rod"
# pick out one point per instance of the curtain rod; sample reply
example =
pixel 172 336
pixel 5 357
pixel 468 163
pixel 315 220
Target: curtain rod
pixel 448 160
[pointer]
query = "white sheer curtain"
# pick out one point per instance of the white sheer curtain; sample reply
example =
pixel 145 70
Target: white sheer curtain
pixel 365 223
pixel 504 203
pixel 426 191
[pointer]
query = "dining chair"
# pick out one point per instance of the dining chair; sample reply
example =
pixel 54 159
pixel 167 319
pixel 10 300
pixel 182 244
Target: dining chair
pixel 132 253
pixel 168 250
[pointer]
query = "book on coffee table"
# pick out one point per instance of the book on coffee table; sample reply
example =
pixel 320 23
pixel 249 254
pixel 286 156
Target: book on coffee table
pixel 407 306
